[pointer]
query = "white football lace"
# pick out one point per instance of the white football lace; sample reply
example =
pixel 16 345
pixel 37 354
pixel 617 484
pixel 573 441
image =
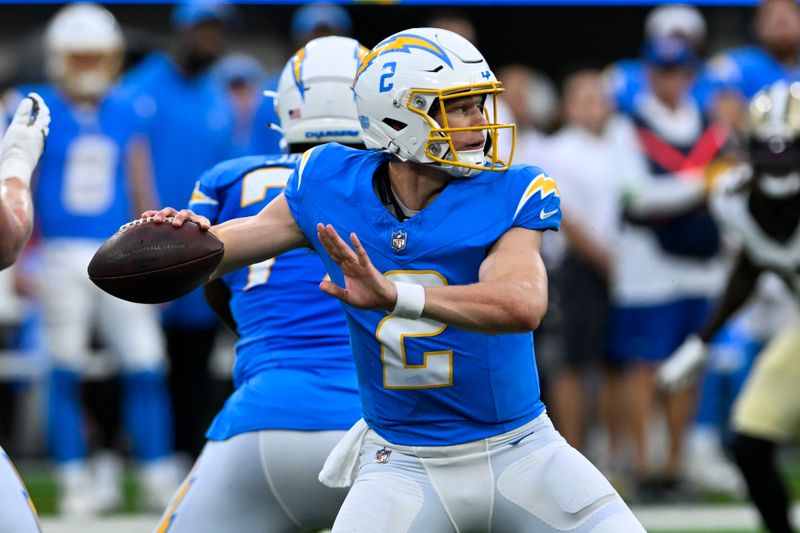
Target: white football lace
pixel 139 222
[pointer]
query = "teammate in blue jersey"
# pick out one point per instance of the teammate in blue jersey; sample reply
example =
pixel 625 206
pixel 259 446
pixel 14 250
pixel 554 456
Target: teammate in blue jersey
pixel 90 179
pixel 441 288
pixel 296 392
pixel 20 150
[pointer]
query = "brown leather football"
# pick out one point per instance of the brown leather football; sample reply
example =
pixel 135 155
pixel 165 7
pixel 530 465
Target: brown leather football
pixel 145 262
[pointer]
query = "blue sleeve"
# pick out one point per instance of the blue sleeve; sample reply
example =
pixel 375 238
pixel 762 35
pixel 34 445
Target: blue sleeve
pixel 297 186
pixel 205 200
pixel 539 205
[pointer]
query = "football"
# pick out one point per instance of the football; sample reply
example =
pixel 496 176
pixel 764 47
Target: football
pixel 145 262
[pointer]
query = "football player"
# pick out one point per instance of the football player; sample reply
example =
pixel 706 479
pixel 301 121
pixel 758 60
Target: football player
pixel 442 287
pixel 296 392
pixel 93 174
pixel 20 150
pixel 760 204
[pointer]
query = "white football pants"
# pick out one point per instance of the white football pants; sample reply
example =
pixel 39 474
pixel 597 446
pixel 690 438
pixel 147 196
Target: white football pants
pixel 73 304
pixel 526 480
pixel 264 481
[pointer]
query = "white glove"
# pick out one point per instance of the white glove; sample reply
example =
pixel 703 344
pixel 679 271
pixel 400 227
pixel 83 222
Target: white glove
pixel 682 366
pixel 23 143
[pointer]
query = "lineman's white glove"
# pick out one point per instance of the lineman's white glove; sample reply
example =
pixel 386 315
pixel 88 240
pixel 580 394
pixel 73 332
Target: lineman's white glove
pixel 682 366
pixel 23 143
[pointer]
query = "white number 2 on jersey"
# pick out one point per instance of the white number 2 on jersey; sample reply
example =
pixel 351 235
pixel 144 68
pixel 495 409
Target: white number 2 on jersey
pixel 436 369
pixel 255 186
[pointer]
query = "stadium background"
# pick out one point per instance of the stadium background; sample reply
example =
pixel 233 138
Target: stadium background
pixel 552 39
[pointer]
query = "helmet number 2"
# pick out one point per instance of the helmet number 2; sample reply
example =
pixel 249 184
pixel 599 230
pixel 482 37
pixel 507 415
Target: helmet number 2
pixel 388 73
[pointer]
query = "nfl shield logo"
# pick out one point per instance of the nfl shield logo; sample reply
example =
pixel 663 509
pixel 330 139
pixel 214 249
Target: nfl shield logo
pixel 399 239
pixel 382 456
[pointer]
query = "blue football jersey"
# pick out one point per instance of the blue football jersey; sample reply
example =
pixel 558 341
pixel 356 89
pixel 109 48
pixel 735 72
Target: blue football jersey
pixel 81 189
pixel 294 367
pixel 423 382
pixel 747 70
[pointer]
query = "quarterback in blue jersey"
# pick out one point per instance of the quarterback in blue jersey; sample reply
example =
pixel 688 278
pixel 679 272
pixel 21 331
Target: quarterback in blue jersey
pixel 442 288
pixel 296 392
pixel 20 150
pixel 90 179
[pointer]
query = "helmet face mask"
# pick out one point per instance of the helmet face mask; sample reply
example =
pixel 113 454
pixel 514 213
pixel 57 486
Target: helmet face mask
pixel 412 74
pixel 89 74
pixel 440 147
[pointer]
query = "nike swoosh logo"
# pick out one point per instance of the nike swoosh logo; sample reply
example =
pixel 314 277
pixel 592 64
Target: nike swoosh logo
pixel 547 214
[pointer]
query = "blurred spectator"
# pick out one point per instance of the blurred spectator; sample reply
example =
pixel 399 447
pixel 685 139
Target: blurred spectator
pixel 531 102
pixel 243 78
pixel 455 21
pixel 319 20
pixel 736 75
pixel 190 128
pixel 93 177
pixel 668 266
pixel 591 189
pixel 628 77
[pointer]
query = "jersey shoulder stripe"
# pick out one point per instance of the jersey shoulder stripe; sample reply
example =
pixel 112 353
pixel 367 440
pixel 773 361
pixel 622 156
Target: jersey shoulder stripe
pixel 542 184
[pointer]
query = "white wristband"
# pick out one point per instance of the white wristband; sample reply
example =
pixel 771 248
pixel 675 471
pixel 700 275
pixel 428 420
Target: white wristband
pixel 410 300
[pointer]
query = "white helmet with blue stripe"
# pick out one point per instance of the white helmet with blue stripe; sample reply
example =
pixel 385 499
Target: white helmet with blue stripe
pixel 404 77
pixel 315 101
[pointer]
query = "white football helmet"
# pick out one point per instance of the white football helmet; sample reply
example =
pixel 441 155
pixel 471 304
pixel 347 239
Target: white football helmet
pixel 315 101
pixel 83 29
pixel 774 132
pixel 400 81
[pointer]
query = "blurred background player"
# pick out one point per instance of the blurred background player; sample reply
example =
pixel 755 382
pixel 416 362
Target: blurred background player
pixel 760 204
pixel 20 150
pixel 592 188
pixel 94 173
pixel 296 391
pixel 668 248
pixel 190 123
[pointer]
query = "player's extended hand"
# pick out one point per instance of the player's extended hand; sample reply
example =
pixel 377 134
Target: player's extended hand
pixel 680 368
pixel 365 286
pixel 178 217
pixel 23 143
